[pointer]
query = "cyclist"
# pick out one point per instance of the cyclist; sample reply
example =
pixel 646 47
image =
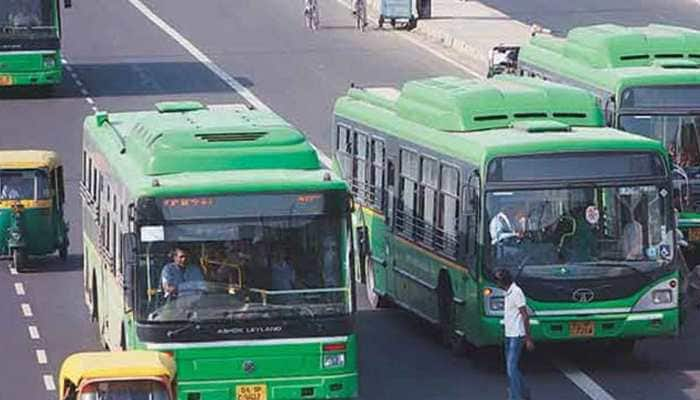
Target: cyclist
pixel 311 14
pixel 359 10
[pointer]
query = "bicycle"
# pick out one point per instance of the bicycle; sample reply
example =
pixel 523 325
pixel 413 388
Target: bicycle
pixel 311 14
pixel 359 10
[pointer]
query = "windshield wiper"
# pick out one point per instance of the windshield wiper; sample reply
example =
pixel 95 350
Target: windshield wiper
pixel 194 324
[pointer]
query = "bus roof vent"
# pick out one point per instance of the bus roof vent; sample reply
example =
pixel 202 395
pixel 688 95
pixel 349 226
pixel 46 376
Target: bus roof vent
pixel 540 126
pixel 230 137
pixel 179 106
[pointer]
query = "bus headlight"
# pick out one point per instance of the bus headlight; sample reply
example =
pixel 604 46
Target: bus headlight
pixel 662 296
pixel 49 61
pixel 494 301
pixel 334 360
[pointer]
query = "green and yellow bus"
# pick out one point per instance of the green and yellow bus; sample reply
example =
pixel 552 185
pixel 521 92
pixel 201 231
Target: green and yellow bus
pixel 266 310
pixel 454 178
pixel 30 42
pixel 647 80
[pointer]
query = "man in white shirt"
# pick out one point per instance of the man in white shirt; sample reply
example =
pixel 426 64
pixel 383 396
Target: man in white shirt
pixel 517 332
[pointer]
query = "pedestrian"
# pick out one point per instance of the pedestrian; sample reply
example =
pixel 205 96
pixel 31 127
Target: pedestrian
pixel 517 333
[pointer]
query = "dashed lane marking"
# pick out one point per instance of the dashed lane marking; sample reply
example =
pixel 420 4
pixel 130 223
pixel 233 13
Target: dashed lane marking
pixel 201 57
pixel 583 381
pixel 49 384
pixel 13 271
pixel 33 332
pixel 27 310
pixel 41 356
pixel 19 289
pixel 90 100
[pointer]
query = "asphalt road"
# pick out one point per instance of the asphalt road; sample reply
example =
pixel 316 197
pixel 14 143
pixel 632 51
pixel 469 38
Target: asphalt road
pixel 120 60
pixel 564 15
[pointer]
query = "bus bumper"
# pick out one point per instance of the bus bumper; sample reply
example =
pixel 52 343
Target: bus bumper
pixel 44 77
pixel 341 386
pixel 605 327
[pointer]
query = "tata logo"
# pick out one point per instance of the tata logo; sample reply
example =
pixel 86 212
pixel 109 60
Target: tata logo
pixel 583 295
pixel 248 366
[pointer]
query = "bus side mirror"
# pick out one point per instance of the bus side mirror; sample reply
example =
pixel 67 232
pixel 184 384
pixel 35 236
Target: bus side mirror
pixel 130 262
pixel 68 3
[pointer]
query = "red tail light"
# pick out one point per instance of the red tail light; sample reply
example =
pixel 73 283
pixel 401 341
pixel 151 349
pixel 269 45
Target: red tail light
pixel 334 347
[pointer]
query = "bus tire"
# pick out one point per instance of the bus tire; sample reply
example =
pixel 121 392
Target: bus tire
pixel 447 321
pixel 19 261
pixel 375 299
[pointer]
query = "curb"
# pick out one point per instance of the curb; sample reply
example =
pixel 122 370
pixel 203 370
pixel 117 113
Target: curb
pixel 474 54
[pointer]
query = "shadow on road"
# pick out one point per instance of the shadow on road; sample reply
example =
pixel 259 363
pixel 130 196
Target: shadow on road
pixel 40 265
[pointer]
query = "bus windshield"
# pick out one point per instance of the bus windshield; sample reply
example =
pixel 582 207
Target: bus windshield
pixel 245 268
pixel 26 18
pixel 680 134
pixel 24 185
pixel 579 233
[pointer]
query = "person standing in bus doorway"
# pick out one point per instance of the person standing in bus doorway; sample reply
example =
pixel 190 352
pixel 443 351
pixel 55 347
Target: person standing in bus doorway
pixel 517 333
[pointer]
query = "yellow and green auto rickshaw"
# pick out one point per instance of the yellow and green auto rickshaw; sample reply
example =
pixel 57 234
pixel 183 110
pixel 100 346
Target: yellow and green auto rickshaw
pixel 31 205
pixel 117 375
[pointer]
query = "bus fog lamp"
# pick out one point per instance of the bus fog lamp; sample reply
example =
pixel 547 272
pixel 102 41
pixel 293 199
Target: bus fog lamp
pixel 661 296
pixel 49 61
pixel 334 360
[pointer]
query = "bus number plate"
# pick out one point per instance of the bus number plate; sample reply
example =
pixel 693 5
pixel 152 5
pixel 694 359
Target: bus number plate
pixel 5 80
pixel 251 392
pixel 581 328
pixel 694 234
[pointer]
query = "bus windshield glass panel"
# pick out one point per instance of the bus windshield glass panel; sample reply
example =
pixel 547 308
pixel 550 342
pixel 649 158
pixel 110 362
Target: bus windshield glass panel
pixel 265 260
pixel 549 167
pixel 579 233
pixel 663 97
pixel 26 18
pixel 680 134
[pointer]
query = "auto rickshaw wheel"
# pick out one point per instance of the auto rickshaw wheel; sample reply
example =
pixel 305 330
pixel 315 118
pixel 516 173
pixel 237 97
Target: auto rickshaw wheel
pixel 393 22
pixel 381 21
pixel 18 260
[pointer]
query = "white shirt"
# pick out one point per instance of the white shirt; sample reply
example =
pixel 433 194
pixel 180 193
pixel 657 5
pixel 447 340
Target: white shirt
pixel 512 319
pixel 500 228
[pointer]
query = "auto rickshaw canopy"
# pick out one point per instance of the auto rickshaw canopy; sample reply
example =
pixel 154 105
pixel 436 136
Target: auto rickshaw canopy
pixel 29 159
pixel 115 365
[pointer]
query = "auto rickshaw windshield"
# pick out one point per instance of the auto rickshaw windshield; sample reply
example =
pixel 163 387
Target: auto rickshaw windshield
pixel 24 185
pixel 124 390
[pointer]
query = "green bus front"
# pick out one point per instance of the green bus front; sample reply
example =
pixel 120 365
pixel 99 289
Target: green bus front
pixel 30 46
pixel 250 331
pixel 670 112
pixel 594 253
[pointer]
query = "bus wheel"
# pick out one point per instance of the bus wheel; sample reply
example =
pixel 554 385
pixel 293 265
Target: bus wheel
pixel 375 300
pixel 18 260
pixel 448 320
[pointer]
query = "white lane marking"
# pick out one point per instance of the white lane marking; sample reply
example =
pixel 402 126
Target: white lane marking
pixel 33 332
pixel 49 383
pixel 79 82
pixel 90 100
pixel 13 271
pixel 94 109
pixel 201 57
pixel 427 48
pixel 41 356
pixel 19 289
pixel 84 92
pixel 27 310
pixel 74 75
pixel 583 381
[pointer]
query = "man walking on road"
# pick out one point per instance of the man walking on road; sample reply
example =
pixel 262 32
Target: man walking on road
pixel 517 332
